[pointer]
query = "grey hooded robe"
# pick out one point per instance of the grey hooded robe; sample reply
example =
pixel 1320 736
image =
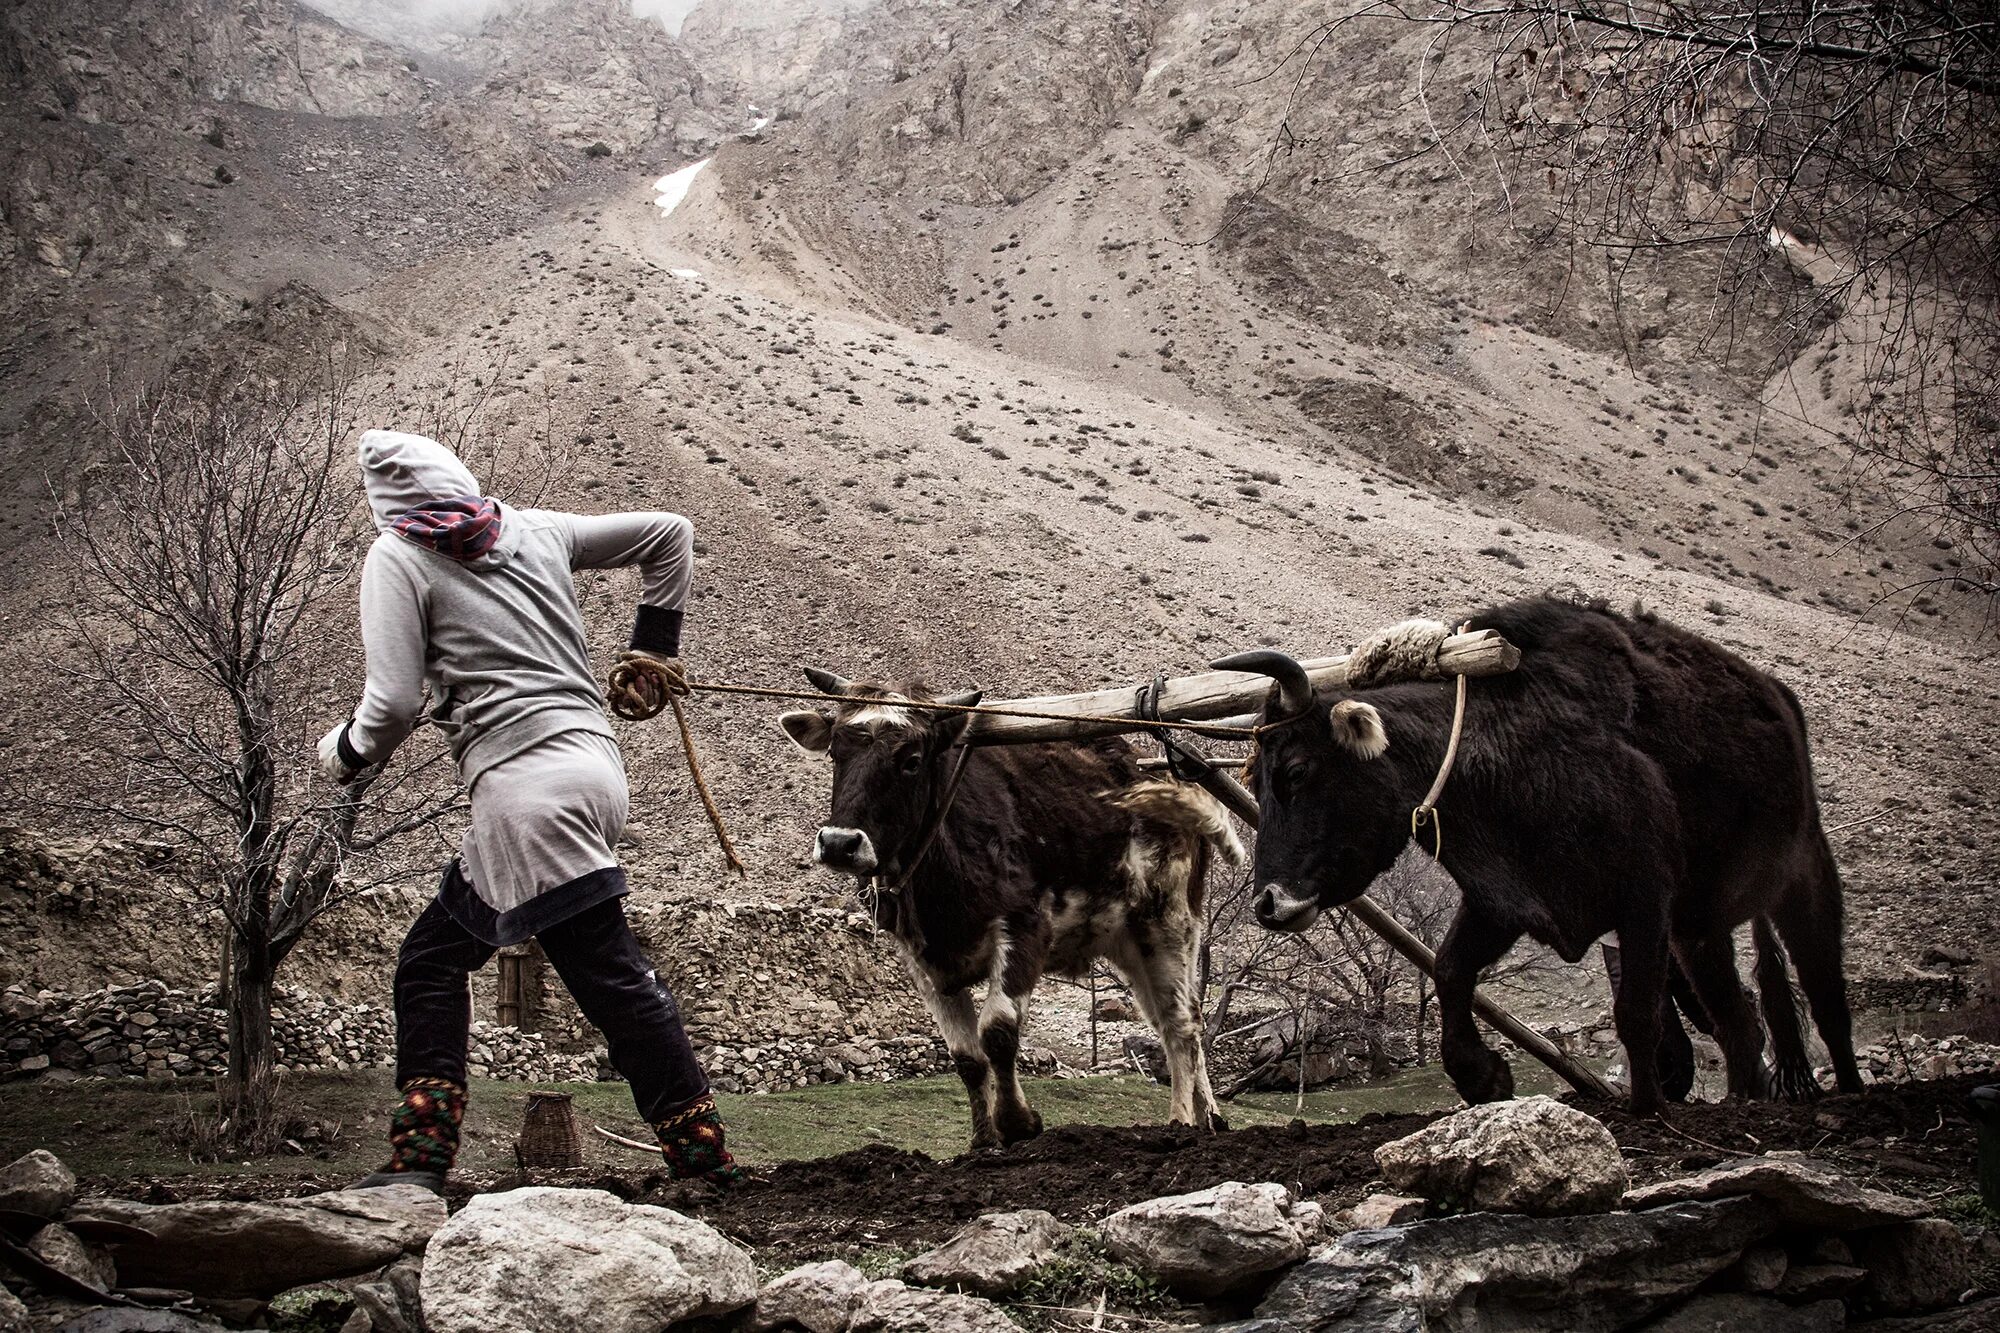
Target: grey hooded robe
pixel 498 641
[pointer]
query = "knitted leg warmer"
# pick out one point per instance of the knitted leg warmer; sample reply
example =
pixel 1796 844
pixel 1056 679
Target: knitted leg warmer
pixel 692 1140
pixel 423 1131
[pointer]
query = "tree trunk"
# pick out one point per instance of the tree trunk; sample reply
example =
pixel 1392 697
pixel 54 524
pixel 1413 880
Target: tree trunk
pixel 251 1049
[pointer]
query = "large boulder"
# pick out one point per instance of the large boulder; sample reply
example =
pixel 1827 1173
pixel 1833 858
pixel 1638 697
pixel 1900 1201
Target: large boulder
pixel 1914 1266
pixel 994 1255
pixel 1534 1155
pixel 1217 1241
pixel 1492 1271
pixel 890 1307
pixel 578 1261
pixel 219 1248
pixel 820 1298
pixel 1804 1193
pixel 37 1183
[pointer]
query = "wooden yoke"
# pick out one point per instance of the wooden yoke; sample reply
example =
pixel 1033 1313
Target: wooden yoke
pixel 1206 696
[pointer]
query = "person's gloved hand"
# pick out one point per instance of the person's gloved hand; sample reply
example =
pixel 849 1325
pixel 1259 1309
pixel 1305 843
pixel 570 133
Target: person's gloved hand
pixel 641 682
pixel 330 763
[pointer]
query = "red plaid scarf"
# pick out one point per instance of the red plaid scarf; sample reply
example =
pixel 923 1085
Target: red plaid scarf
pixel 459 529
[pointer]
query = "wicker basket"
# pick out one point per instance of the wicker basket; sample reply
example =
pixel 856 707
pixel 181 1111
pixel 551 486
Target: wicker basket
pixel 549 1136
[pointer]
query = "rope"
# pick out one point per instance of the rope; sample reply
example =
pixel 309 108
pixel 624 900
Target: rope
pixel 936 825
pixel 639 689
pixel 1427 811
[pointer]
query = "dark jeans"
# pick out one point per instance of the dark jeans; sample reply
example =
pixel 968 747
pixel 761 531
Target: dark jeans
pixel 598 959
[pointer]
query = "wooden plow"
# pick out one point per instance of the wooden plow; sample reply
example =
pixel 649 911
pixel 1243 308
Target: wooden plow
pixel 1230 699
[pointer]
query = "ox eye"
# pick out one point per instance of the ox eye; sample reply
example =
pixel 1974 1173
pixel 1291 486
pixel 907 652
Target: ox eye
pixel 911 761
pixel 1295 772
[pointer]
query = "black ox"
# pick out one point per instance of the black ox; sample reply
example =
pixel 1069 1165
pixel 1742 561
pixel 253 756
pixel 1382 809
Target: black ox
pixel 1629 777
pixel 1044 859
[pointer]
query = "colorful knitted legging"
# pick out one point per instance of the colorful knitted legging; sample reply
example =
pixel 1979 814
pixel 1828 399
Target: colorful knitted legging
pixel 423 1131
pixel 692 1140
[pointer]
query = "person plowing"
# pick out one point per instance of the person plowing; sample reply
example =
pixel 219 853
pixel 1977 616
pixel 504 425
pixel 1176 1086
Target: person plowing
pixel 474 599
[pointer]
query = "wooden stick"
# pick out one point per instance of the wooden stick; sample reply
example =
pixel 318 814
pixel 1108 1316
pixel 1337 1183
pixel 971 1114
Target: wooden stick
pixel 1241 803
pixel 1209 695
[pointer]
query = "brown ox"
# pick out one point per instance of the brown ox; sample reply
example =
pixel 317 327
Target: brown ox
pixel 1044 859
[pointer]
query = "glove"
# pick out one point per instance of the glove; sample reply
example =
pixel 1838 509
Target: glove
pixel 331 763
pixel 641 682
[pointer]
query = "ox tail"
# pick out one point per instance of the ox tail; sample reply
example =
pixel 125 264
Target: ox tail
pixel 1176 807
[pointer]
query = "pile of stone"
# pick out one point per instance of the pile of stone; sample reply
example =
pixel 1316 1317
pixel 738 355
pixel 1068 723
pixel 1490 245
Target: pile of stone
pixel 151 1030
pixel 784 1063
pixel 1907 1056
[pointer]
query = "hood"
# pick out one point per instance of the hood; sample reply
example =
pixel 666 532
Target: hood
pixel 419 490
pixel 404 472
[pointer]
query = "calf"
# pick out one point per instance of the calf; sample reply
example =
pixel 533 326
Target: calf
pixel 1041 858
pixel 1630 776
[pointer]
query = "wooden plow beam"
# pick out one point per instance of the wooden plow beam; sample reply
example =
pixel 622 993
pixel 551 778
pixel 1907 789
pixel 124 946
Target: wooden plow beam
pixel 1215 695
pixel 1205 697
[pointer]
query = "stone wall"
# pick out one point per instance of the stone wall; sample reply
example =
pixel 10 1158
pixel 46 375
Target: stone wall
pixel 151 1030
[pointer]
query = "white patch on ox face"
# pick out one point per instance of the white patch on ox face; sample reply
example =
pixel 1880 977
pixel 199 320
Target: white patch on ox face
pixel 882 715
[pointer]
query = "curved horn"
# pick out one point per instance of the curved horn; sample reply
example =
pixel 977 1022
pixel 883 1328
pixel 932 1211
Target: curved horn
pixel 963 699
pixel 1295 691
pixel 828 683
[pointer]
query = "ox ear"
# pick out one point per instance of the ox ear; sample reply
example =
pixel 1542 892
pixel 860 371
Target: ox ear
pixel 810 729
pixel 1358 726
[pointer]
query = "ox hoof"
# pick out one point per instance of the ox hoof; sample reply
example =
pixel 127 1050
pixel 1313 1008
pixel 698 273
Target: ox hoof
pixel 1489 1079
pixel 1794 1085
pixel 984 1140
pixel 1216 1124
pixel 1019 1129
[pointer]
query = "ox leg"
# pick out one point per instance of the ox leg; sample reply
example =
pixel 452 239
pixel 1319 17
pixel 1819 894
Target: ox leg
pixel 1635 1010
pixel 1162 981
pixel 1710 963
pixel 1810 921
pixel 958 1022
pixel 1474 943
pixel 1007 989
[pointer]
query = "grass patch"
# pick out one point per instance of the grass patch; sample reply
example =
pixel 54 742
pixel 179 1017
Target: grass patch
pixel 135 1128
pixel 1080 1280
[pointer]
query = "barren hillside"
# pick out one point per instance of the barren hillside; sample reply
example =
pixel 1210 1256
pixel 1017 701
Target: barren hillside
pixel 1016 350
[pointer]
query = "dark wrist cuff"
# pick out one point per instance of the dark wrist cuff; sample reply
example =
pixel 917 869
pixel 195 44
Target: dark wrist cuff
pixel 349 756
pixel 657 630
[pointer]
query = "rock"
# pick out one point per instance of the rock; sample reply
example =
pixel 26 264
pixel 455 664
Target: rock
pixel 1805 1193
pixel 1534 1155
pixel 1978 1317
pixel 1583 1274
pixel 13 1314
pixel 992 1256
pixel 820 1298
pixel 230 1249
pixel 1215 1241
pixel 1762 1268
pixel 1815 1282
pixel 38 1183
pixel 1732 1312
pixel 1913 1266
pixel 1379 1210
pixel 890 1307
pixel 570 1260
pixel 58 1247
pixel 391 1300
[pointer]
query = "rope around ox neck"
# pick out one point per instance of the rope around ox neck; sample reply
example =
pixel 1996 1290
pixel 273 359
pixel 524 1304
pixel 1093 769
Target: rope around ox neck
pixel 1427 811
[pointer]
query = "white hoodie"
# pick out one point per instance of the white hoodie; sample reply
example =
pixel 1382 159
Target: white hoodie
pixel 497 638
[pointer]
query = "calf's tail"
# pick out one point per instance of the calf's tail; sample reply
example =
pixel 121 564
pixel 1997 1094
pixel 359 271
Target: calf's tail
pixel 1193 813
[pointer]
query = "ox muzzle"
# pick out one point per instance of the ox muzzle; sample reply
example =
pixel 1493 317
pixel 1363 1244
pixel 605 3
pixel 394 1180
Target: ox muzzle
pixel 1279 908
pixel 845 849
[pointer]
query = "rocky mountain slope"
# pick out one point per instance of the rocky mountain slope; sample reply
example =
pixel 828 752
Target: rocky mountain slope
pixel 1020 349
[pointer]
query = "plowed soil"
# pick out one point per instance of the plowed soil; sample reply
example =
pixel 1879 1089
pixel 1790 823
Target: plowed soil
pixel 1913 1139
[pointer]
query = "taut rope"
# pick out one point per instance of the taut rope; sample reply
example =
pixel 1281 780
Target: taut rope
pixel 634 704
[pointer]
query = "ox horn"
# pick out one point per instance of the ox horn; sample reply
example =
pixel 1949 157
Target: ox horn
pixel 963 699
pixel 828 683
pixel 1295 691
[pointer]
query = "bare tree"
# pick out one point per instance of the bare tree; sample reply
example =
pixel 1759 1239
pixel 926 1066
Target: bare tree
pixel 1840 161
pixel 206 550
